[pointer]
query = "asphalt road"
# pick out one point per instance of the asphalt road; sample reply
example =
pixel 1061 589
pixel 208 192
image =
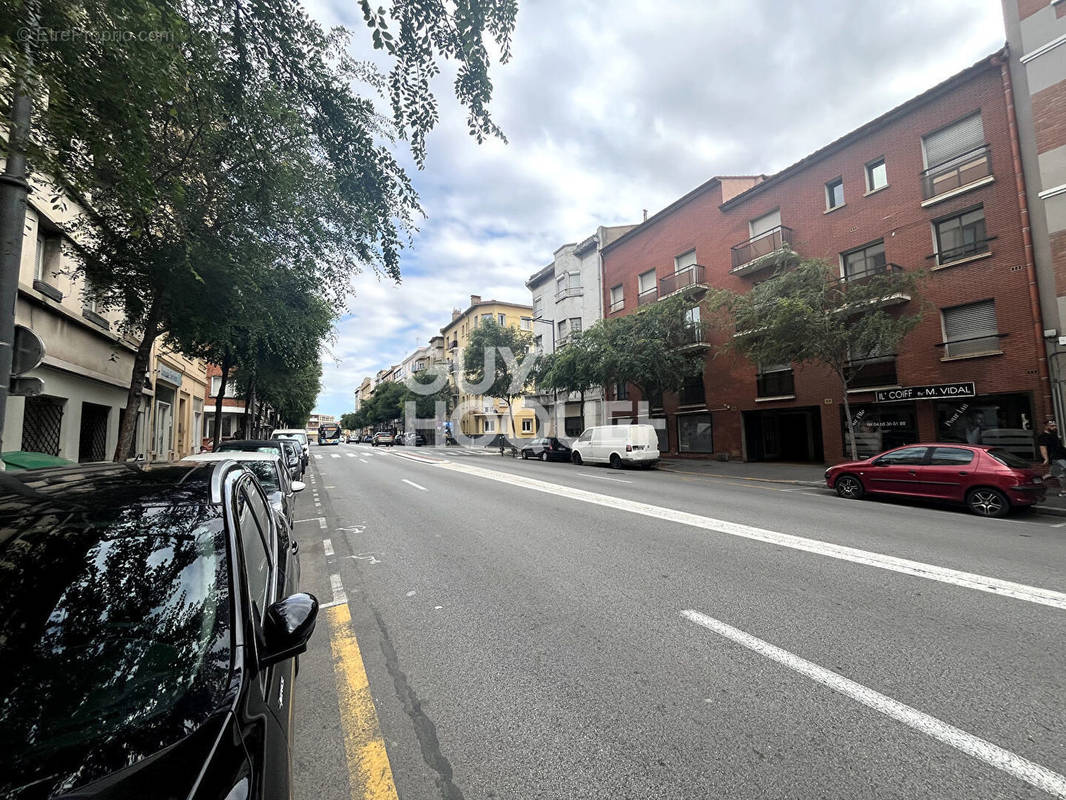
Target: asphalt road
pixel 510 629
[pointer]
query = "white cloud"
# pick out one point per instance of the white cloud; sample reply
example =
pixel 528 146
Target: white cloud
pixel 613 108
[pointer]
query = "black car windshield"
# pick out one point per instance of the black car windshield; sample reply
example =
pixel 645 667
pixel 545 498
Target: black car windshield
pixel 1007 458
pixel 115 637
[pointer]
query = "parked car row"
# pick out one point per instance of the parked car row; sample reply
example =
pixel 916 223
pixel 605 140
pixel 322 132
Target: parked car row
pixel 150 631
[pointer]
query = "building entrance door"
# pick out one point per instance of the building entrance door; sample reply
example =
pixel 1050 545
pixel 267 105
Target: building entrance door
pixel 793 434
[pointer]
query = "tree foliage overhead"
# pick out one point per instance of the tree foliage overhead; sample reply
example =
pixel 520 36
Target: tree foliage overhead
pixel 494 360
pixel 806 314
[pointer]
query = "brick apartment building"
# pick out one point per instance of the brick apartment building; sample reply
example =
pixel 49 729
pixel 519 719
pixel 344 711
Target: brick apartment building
pixel 931 185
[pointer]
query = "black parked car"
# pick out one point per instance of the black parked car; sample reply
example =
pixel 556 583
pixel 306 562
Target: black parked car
pixel 278 446
pixel 149 620
pixel 548 449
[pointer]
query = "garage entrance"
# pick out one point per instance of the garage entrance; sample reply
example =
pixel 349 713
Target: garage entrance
pixel 793 434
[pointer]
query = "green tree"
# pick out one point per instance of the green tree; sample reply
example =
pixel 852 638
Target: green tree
pixel 495 361
pixel 234 141
pixel 575 367
pixel 806 314
pixel 350 421
pixel 428 387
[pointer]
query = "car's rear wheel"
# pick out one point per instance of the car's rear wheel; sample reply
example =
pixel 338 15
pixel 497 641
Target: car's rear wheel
pixel 576 458
pixel 544 455
pixel 616 462
pixel 849 487
pixel 987 502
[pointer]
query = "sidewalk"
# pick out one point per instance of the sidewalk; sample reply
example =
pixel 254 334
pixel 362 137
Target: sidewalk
pixel 798 474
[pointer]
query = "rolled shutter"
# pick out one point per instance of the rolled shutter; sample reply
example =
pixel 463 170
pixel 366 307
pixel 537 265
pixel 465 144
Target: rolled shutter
pixel 962 137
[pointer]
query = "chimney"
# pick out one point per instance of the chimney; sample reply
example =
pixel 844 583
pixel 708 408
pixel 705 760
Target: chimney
pixel 456 313
pixel 475 299
pixel 645 215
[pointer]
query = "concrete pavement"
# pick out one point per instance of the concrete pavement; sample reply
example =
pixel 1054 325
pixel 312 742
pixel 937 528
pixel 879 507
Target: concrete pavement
pixel 528 641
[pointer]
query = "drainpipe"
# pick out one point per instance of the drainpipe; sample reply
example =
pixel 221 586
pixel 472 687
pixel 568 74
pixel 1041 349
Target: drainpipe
pixel 1027 234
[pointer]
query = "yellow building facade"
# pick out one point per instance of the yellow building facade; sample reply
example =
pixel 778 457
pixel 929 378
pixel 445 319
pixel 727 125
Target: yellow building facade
pixel 480 415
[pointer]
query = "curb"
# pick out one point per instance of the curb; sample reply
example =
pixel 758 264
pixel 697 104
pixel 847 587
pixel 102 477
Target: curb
pixel 741 477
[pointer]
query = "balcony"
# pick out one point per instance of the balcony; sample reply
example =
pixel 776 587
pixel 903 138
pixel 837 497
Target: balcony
pixel 691 279
pixel 973 346
pixel 569 291
pixel 967 170
pixel 751 255
pixel 963 251
pixel 694 338
pixel 875 372
pixel 780 383
pixel 647 296
pixel 884 270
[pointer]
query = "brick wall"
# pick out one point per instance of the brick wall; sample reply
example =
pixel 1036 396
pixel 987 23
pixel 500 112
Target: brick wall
pixel 1049 117
pixel 894 214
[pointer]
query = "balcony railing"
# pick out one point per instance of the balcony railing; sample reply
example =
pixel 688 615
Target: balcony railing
pixel 780 383
pixel 617 305
pixel 973 345
pixel 866 274
pixel 879 371
pixel 746 254
pixel 964 250
pixel 647 296
pixel 692 275
pixel 694 336
pixel 569 291
pixel 960 171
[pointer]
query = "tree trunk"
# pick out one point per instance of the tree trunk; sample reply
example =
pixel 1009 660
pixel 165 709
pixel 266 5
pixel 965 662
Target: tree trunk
pixel 127 424
pixel 217 434
pixel 259 419
pixel 581 393
pixel 851 422
pixel 510 414
pixel 249 401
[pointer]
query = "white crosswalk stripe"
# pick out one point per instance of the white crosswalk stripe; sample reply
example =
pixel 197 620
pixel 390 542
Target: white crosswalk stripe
pixel 318 458
pixel 335 455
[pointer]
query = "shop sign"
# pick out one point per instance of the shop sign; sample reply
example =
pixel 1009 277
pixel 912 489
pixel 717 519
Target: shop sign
pixel 169 375
pixel 940 391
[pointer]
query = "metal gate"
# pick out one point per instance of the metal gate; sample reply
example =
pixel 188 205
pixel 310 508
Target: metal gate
pixel 41 425
pixel 92 443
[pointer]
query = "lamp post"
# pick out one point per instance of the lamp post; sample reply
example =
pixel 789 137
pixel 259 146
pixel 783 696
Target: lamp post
pixel 555 392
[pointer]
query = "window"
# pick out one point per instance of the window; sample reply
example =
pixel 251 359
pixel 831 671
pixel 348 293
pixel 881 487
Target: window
pixel 646 282
pixel 586 436
pixel 775 380
pixel 486 318
pixel 834 193
pixel 970 329
pixel 1003 421
pixel 692 392
pixel 950 456
pixel 617 298
pixel 684 261
pixel 561 325
pixel 526 324
pixel 621 391
pixel 538 307
pixel 879 428
pixel 948 144
pixel 46 257
pixel 764 224
pixel 865 261
pixel 527 426
pixel 908 456
pixel 253 519
pixel 695 433
pixel 961 236
pixel 231 386
pixel 575 324
pixel 560 285
pixel 502 319
pixel 876 175
pixel 538 344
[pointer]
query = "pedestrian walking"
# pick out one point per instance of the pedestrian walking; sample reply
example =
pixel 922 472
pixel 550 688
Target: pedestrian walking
pixel 1053 453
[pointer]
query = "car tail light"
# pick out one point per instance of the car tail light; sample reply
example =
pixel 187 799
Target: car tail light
pixel 629 448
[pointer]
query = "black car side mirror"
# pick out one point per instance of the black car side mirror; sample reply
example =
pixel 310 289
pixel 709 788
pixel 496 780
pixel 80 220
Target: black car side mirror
pixel 287 627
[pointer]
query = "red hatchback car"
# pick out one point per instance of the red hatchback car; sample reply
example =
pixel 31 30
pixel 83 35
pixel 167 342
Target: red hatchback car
pixel 989 480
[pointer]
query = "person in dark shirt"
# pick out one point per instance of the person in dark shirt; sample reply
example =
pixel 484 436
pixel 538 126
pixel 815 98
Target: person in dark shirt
pixel 1052 452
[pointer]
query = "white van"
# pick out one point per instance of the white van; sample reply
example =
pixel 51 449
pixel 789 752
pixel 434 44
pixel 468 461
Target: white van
pixel 617 445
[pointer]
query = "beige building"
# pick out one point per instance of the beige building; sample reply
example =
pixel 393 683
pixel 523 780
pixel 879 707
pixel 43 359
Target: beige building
pixel 487 415
pixel 88 363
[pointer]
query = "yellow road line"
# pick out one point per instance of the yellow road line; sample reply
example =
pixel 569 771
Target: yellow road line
pixel 369 772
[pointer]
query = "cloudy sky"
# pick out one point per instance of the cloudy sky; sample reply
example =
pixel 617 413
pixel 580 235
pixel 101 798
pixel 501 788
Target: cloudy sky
pixel 614 106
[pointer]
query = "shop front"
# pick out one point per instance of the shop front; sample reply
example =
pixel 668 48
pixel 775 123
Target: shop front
pixel 879 427
pixel 1003 420
pixel 787 434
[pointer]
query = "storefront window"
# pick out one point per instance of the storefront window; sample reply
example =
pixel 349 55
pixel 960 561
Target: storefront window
pixel 879 428
pixel 695 433
pixel 1004 420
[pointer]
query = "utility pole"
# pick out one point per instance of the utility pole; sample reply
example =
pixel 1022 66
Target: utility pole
pixel 14 189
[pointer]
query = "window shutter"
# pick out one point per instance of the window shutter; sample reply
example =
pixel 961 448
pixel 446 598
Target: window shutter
pixel 684 260
pixel 765 223
pixel 944 145
pixel 968 322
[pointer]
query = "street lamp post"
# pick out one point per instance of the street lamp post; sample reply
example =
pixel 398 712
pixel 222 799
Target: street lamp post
pixel 555 392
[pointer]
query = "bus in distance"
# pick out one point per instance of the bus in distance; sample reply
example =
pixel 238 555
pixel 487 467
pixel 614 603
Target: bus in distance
pixel 329 433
